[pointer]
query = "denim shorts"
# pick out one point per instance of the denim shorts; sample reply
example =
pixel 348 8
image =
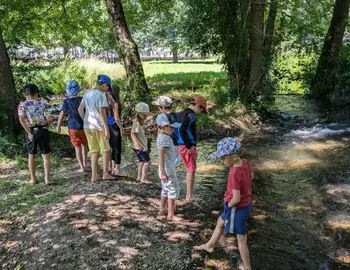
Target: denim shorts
pixel 142 155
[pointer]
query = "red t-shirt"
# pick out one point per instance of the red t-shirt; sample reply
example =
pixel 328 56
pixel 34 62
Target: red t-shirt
pixel 240 178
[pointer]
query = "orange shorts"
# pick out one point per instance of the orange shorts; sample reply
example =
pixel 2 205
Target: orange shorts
pixel 190 160
pixel 77 137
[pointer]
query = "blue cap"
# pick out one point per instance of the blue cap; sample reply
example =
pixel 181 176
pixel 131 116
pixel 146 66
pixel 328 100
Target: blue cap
pixel 72 88
pixel 227 146
pixel 104 79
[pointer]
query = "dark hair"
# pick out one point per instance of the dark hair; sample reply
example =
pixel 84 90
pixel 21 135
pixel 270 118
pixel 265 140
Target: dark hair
pixel 30 89
pixel 114 97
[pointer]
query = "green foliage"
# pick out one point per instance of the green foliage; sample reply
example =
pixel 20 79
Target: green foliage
pixel 9 146
pixel 51 79
pixel 292 72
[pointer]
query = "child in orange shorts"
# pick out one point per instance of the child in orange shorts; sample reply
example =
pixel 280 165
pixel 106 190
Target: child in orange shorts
pixel 75 123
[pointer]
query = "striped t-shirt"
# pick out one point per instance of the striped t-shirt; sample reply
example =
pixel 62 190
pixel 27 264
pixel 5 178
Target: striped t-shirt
pixel 169 155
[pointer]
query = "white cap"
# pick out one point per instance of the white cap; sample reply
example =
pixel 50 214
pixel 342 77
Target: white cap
pixel 165 119
pixel 142 107
pixel 163 101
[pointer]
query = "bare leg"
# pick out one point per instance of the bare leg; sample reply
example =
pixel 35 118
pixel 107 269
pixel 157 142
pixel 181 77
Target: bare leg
pixel 78 154
pixel 47 168
pixel 162 208
pixel 145 173
pixel 139 171
pixel 210 245
pixel 116 168
pixel 171 211
pixel 84 149
pixel 106 159
pixel 190 186
pixel 243 250
pixel 32 168
pixel 94 166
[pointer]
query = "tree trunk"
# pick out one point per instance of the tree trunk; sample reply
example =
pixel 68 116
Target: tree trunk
pixel 270 29
pixel 129 52
pixel 323 82
pixel 255 47
pixel 8 100
pixel 174 50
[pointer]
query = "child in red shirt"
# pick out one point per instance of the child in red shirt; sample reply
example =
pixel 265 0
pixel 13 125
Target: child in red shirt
pixel 237 199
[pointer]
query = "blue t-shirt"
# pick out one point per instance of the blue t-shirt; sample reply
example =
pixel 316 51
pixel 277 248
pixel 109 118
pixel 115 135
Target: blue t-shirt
pixel 70 106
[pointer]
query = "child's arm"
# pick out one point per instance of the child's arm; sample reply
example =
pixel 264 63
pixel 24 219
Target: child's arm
pixel 103 115
pixel 136 141
pixel 81 111
pixel 117 118
pixel 163 174
pixel 236 198
pixel 25 126
pixel 60 120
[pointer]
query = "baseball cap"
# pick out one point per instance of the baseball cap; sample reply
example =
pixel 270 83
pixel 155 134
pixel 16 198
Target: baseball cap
pixel 142 107
pixel 72 88
pixel 227 146
pixel 165 119
pixel 104 79
pixel 31 89
pixel 163 101
pixel 199 100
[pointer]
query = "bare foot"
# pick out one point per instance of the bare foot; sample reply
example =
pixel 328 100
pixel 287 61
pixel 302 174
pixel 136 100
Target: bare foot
pixel 32 182
pixel 204 247
pixel 145 181
pixel 108 177
pixel 190 199
pixel 162 212
pixel 115 172
pixel 175 219
pixel 48 181
pixel 81 170
pixel 97 178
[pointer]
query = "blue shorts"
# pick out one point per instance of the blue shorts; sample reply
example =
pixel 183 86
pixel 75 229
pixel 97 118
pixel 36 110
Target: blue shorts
pixel 236 219
pixel 142 155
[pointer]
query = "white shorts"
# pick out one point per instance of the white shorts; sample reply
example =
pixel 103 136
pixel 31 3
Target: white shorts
pixel 171 188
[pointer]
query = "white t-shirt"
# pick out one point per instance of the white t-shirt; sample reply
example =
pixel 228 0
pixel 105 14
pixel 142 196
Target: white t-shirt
pixel 93 100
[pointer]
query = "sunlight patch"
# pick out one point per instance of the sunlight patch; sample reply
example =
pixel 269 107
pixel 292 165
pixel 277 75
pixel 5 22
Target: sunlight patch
pixel 205 168
pixel 339 221
pixel 320 146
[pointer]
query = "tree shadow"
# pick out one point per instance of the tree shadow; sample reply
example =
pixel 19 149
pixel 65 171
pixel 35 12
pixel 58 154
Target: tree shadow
pixel 205 62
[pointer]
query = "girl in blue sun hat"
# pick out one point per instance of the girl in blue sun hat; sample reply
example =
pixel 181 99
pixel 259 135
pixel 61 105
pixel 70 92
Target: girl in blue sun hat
pixel 237 199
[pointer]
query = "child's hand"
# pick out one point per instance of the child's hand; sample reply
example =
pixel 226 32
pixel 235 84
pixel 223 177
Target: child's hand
pixel 230 205
pixel 121 132
pixel 164 177
pixel 191 150
pixel 30 136
pixel 58 129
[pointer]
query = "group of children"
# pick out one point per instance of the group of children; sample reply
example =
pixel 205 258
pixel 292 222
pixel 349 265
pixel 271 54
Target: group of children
pixel 94 124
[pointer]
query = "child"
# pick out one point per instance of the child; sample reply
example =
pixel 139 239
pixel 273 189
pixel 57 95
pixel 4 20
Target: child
pixel 75 123
pixel 165 104
pixel 186 135
pixel 96 129
pixel 139 140
pixel 32 116
pixel 115 128
pixel 167 166
pixel 237 200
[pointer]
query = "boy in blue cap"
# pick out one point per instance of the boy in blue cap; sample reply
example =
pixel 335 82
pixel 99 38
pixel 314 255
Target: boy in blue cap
pixel 237 200
pixel 75 123
pixel 92 110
